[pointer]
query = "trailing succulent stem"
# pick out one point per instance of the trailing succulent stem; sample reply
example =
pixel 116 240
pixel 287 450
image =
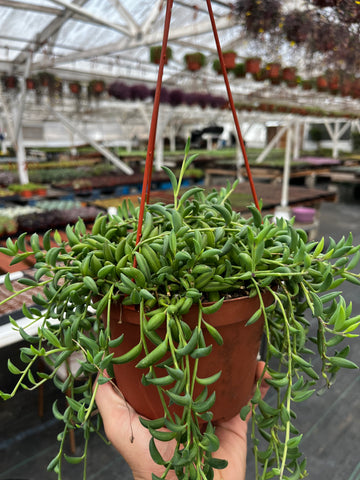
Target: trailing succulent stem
pixel 194 252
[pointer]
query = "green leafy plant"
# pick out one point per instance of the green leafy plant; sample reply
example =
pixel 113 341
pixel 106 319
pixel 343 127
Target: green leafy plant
pixel 17 187
pixel 95 88
pixel 196 251
pixel 8 225
pixel 197 58
pixel 216 65
pixel 239 70
pixel 155 54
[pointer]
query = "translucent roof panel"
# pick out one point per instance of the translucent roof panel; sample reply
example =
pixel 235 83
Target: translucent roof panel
pixel 108 37
pixel 111 39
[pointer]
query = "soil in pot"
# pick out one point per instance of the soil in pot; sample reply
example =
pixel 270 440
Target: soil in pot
pixel 236 358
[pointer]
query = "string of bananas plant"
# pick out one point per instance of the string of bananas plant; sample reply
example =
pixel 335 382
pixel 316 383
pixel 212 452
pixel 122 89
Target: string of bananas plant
pixel 198 252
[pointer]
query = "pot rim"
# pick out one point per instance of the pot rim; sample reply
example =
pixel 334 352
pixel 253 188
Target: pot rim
pixel 224 316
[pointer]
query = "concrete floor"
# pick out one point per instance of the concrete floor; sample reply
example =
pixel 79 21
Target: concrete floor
pixel 330 423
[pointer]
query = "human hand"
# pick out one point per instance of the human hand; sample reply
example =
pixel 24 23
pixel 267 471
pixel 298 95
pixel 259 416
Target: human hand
pixel 131 439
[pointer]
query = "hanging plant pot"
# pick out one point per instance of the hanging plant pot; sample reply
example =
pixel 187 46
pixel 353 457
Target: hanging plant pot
pixel 75 88
pixel 238 353
pixel 252 65
pixel 349 13
pixel 259 16
pixel 229 59
pixel 155 54
pixel 120 90
pixel 30 84
pixel 176 97
pixel 10 82
pixel 273 70
pixel 289 74
pixel 99 86
pixel 194 61
pixel 297 26
pixel 322 83
pixel 96 88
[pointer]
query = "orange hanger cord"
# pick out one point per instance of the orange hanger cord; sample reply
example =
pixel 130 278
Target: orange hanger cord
pixel 146 187
pixel 145 194
pixel 232 105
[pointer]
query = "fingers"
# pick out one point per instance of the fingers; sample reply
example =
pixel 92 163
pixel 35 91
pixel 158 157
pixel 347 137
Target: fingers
pixel 107 398
pixel 115 411
pixel 108 393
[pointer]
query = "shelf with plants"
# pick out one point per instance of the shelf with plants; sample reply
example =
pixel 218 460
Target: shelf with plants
pixel 28 189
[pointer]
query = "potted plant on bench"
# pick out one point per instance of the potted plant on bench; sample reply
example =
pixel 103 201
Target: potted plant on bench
pixel 157 301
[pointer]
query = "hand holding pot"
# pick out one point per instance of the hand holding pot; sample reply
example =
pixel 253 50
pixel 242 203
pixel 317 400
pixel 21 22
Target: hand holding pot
pixel 131 439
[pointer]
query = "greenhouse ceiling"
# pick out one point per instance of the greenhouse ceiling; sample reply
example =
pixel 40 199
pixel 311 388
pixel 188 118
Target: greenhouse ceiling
pixel 106 38
pixel 111 40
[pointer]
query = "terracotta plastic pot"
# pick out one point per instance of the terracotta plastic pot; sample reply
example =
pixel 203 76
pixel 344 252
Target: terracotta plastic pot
pixel 236 358
pixel 26 193
pixel 30 84
pixel 273 70
pixel 75 88
pixel 289 74
pixel 229 59
pixel 192 64
pixel 252 65
pixel 322 83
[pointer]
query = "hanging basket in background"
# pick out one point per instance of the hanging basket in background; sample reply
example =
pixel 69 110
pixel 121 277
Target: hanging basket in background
pixel 252 65
pixel 96 88
pixel 194 61
pixel 31 83
pixel 75 88
pixel 155 54
pixel 229 59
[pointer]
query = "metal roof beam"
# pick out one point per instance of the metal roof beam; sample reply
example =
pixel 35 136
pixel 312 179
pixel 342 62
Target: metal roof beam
pixel 133 26
pixel 30 7
pixel 100 21
pixel 48 32
pixel 151 18
pixel 58 12
pixel 152 38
